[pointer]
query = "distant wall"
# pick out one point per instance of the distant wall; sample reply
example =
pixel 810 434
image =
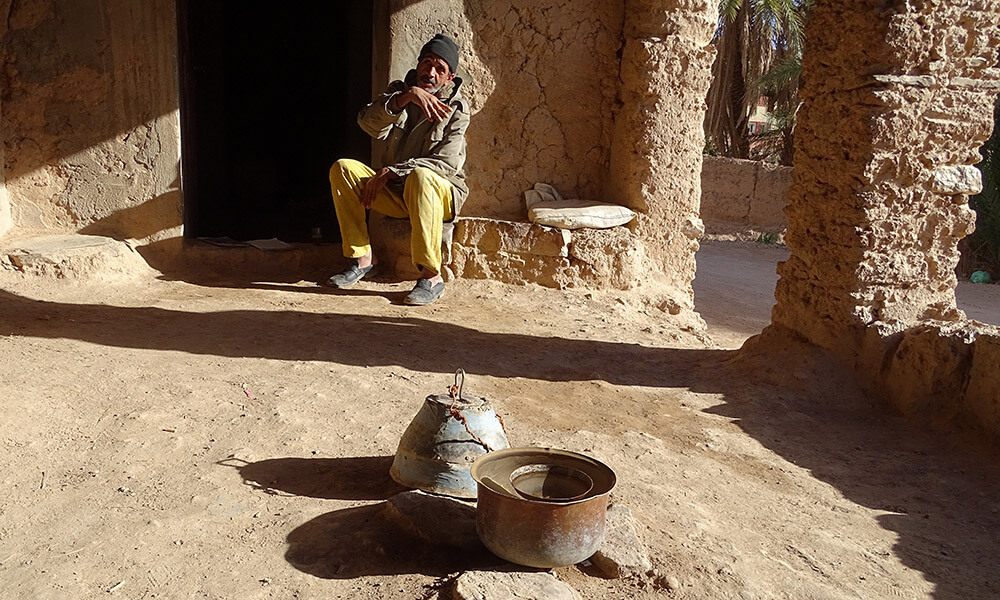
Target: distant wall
pixel 740 195
pixel 89 116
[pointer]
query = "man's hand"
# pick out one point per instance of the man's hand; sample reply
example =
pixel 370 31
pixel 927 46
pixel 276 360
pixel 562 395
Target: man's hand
pixel 433 107
pixel 375 185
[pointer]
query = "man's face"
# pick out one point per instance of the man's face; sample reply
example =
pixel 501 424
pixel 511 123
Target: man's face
pixel 432 73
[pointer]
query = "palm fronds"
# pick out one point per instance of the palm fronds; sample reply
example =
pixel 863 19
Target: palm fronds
pixel 983 246
pixel 758 47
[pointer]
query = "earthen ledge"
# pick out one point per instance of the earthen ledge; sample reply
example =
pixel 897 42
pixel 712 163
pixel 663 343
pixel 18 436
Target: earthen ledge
pixel 518 237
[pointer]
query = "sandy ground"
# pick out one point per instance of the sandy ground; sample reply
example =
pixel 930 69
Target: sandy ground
pixel 184 439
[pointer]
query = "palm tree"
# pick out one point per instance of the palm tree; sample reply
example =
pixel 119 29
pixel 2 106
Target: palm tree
pixel 753 38
pixel 982 248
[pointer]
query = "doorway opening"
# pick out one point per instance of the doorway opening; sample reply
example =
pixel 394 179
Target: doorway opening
pixel 269 96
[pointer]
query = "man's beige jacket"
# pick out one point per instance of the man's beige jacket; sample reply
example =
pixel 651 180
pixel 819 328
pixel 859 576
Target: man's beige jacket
pixel 412 140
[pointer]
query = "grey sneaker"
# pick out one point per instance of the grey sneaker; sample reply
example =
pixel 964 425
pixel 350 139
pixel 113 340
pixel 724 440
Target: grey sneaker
pixel 351 275
pixel 425 293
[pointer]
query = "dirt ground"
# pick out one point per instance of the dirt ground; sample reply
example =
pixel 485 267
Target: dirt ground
pixel 184 439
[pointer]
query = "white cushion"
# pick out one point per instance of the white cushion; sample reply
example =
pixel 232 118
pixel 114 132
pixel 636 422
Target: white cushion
pixel 577 214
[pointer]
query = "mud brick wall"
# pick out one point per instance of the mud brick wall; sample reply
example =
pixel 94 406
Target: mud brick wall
pixel 89 115
pixel 892 120
pixel 542 79
pixel 604 100
pixel 897 100
pixel 6 221
pixel 741 195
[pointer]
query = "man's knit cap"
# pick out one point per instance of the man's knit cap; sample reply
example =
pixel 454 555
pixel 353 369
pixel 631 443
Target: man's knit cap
pixel 443 46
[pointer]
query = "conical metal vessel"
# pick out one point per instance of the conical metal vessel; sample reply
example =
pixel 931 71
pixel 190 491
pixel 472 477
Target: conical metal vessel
pixel 447 435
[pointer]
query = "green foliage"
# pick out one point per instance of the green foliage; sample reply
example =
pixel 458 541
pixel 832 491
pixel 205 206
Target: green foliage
pixel 758 53
pixel 982 248
pixel 768 237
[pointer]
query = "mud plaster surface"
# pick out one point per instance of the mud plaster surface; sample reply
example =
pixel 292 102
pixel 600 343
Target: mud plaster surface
pixel 741 195
pixel 872 239
pixel 89 115
pixel 542 80
pixel 232 440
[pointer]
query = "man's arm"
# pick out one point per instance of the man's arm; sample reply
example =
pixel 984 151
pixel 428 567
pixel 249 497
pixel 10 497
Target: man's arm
pixel 379 116
pixel 446 157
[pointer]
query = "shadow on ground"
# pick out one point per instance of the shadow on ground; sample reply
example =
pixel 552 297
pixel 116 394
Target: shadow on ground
pixel 364 540
pixel 414 343
pixel 354 478
pixel 355 542
pixel 942 499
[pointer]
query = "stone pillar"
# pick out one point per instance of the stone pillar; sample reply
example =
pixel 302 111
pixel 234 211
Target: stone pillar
pixel 657 148
pixel 897 99
pixel 6 221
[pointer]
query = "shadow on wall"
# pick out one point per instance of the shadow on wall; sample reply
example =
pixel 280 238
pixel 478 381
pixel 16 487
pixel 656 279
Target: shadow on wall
pixel 82 73
pixel 163 212
pixel 940 501
pixel 88 97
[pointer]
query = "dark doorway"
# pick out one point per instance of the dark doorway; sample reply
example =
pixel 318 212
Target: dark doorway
pixel 269 95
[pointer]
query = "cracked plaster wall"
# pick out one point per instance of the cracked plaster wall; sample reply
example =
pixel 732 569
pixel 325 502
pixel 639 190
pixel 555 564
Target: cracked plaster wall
pixel 542 80
pixel 898 97
pixel 656 156
pixel 89 116
pixel 604 100
pixel 6 220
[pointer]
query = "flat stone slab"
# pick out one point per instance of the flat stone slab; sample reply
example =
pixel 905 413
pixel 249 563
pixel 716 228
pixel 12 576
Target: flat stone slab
pixel 621 553
pixel 487 585
pixel 71 256
pixel 437 520
pixel 957 179
pixel 493 235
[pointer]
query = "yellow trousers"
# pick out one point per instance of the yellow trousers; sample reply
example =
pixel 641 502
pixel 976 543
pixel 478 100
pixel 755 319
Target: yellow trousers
pixel 426 202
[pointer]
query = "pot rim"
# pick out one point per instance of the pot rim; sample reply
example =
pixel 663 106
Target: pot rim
pixel 603 476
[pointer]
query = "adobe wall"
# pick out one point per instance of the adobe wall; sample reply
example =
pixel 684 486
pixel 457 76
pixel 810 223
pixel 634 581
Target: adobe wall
pixel 604 100
pixel 542 79
pixel 89 116
pixel 743 195
pixel 6 221
pixel 879 202
pixel 601 105
pixel 656 153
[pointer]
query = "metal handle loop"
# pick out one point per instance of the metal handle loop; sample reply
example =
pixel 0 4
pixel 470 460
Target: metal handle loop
pixel 460 384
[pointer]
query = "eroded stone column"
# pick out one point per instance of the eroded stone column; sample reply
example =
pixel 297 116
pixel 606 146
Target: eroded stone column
pixel 658 142
pixel 6 222
pixel 897 100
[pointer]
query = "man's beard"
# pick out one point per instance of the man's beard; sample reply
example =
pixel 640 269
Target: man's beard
pixel 433 89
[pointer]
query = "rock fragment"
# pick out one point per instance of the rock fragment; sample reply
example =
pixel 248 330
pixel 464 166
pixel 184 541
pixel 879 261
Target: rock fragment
pixel 957 179
pixel 438 520
pixel 488 585
pixel 621 553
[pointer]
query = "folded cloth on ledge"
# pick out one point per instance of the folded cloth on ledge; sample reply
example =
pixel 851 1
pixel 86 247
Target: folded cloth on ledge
pixel 547 207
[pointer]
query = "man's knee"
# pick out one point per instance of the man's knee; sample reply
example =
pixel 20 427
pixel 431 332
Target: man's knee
pixel 340 169
pixel 422 179
pixel 422 175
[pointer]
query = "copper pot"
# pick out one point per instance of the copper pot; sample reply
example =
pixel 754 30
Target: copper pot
pixel 540 532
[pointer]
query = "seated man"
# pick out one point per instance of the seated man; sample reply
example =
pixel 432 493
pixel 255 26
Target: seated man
pixel 423 120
